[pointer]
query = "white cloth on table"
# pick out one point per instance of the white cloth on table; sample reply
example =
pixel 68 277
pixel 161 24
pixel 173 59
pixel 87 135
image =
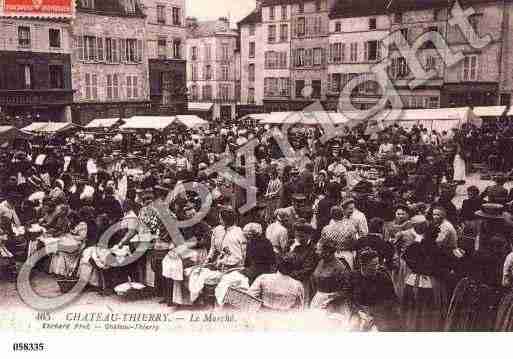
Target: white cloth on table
pixel 233 279
pixel 197 279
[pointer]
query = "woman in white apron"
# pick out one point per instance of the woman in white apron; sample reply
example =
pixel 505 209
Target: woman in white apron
pixel 460 171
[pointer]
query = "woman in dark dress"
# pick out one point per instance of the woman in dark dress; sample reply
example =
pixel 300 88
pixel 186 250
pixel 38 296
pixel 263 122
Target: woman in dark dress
pixel 260 257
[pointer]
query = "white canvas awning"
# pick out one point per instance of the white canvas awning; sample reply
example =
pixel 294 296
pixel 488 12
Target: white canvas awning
pixel 48 127
pixel 440 119
pixel 191 121
pixel 304 118
pixel 489 111
pixel 158 123
pixel 103 123
pixel 255 116
pixel 200 106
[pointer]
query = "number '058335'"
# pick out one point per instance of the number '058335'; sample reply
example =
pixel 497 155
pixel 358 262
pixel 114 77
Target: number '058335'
pixel 28 347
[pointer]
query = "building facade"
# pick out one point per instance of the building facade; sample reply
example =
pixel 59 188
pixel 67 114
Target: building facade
pixel 212 49
pixel 35 70
pixel 109 61
pixel 166 36
pixel 355 46
pixel 332 42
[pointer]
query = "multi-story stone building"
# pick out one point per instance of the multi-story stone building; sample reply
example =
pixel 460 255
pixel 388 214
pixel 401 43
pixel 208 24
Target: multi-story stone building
pixel 211 66
pixel 35 69
pixel 357 29
pixel 309 48
pixel 252 47
pixel 166 35
pixel 276 30
pixel 109 61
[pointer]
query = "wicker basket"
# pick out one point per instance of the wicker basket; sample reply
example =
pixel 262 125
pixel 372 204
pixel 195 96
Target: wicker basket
pixel 242 301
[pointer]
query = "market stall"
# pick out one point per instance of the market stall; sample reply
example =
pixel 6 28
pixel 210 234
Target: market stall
pixel 10 135
pixel 439 119
pixel 304 118
pixel 191 121
pixel 148 123
pixel 49 127
pixel 104 124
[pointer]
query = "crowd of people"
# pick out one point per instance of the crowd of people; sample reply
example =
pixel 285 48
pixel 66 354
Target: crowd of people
pixel 365 228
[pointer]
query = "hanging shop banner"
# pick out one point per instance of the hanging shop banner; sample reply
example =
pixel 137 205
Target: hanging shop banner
pixel 38 8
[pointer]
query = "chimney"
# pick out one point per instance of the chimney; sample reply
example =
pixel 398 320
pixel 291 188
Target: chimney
pixel 223 24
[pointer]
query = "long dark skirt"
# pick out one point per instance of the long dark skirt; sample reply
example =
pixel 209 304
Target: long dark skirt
pixel 473 307
pixel 422 310
pixel 504 322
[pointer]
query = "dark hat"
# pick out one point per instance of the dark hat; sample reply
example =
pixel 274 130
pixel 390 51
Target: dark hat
pixel 491 211
pixel 167 185
pixel 363 187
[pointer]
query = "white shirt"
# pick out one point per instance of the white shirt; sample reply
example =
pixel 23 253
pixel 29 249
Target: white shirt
pixel 230 246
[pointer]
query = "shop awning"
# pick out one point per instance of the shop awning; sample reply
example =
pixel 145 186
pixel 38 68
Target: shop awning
pixel 200 106
pixel 48 127
pixel 489 111
pixel 158 123
pixel 9 134
pixel 191 121
pixel 255 117
pixel 103 123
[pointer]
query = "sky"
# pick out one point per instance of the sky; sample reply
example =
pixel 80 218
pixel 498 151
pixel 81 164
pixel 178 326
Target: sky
pixel 213 9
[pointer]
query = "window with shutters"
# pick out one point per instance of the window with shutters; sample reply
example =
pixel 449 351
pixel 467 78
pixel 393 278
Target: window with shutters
pixel 109 87
pixel 90 48
pixel 99 51
pixel 317 29
pixel 162 48
pixel 300 57
pixel 284 12
pixel 470 68
pixel 26 76
pixel 284 32
pixel 194 72
pixel 177 48
pixel 338 26
pixel 224 73
pixel 372 49
pixel 284 86
pixel 161 14
pixel 251 73
pixel 54 36
pixel 79 47
pixel 300 27
pixel 301 8
pixel 177 18
pixel 430 63
pixel 283 60
pixel 251 50
pixel 24 36
pixel 271 35
pixel 272 11
pixel 225 53
pixel 224 92
pixel 208 72
pixel 317 56
pixel 91 86
pixel 354 52
pixel 399 68
pixel 337 52
pixel 132 50
pixel 132 90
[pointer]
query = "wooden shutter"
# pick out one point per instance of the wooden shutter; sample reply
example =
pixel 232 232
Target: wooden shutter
pixel 99 53
pixel 139 50
pixel 122 50
pixel 79 47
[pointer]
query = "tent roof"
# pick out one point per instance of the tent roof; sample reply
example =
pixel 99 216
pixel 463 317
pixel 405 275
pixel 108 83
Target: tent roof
pixel 489 111
pixel 159 123
pixel 103 123
pixel 457 113
pixel 255 116
pixel 48 127
pixel 305 118
pixel 191 121
pixel 199 106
